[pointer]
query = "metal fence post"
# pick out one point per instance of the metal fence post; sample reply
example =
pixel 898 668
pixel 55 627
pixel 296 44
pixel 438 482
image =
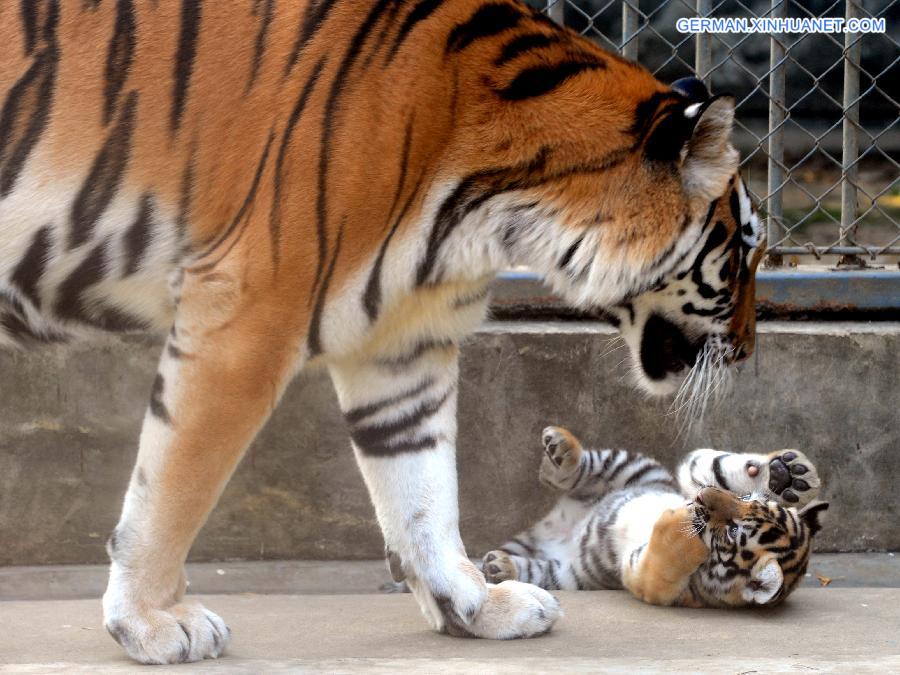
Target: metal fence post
pixel 849 166
pixel 557 11
pixel 777 105
pixel 631 22
pixel 703 45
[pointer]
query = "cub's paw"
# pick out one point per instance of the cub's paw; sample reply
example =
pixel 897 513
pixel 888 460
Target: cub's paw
pixel 183 633
pixel 498 566
pixel 515 610
pixel 792 478
pixel 562 457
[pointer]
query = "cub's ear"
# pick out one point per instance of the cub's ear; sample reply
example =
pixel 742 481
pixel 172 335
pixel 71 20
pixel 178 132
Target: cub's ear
pixel 813 515
pixel 709 158
pixel 766 579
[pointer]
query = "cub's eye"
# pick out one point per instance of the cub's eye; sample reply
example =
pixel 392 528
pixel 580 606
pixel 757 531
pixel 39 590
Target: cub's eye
pixel 732 532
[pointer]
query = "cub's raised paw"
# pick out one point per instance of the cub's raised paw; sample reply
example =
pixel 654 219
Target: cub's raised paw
pixel 562 456
pixel 498 566
pixel 792 478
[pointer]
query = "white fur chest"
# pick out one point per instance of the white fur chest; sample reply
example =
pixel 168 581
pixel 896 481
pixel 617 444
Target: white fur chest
pixel 635 520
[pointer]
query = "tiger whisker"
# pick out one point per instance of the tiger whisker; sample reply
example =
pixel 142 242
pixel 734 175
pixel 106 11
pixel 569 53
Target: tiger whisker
pixel 614 344
pixel 703 388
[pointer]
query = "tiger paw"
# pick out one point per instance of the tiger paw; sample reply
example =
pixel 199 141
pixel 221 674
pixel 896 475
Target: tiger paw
pixel 182 633
pixel 515 610
pixel 562 456
pixel 790 477
pixel 498 566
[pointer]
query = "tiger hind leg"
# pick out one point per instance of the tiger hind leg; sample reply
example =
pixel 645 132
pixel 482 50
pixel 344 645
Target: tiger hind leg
pixel 216 384
pixel 589 474
pixel 551 574
pixel 785 476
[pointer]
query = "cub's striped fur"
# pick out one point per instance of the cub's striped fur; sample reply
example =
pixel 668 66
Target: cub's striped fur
pixel 279 184
pixel 622 522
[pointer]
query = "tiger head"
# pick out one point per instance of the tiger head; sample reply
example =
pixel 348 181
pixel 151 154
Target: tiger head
pixel 699 316
pixel 758 551
pixel 621 191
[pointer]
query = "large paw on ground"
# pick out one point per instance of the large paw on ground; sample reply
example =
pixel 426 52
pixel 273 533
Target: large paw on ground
pixel 515 610
pixel 180 634
pixel 792 478
pixel 498 567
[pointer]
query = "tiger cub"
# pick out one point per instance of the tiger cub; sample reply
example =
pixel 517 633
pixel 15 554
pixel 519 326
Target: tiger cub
pixel 742 539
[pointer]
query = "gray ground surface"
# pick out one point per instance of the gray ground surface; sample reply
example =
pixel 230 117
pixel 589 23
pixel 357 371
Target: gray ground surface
pixel 848 630
pixel 311 616
pixel 314 577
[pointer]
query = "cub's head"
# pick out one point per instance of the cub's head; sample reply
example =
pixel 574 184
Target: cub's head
pixel 758 551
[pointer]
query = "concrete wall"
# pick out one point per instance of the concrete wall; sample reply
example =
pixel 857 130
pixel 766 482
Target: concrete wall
pixel 69 420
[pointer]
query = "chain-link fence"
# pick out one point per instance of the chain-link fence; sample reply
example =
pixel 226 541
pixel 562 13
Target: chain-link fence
pixel 817 113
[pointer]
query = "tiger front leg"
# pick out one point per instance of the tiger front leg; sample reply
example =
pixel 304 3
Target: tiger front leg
pixel 402 417
pixel 786 476
pixel 659 572
pixel 222 370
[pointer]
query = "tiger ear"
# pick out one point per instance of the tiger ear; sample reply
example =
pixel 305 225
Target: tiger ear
pixel 709 160
pixel 812 515
pixel 766 579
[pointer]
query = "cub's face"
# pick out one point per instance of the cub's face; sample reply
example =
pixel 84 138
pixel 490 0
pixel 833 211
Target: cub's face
pixel 701 317
pixel 758 552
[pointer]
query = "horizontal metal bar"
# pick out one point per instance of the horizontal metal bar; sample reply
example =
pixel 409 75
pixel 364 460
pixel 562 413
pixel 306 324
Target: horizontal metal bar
pixel 787 290
pixel 829 290
pixel 833 250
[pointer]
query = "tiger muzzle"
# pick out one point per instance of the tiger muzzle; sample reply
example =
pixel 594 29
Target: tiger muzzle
pixel 665 349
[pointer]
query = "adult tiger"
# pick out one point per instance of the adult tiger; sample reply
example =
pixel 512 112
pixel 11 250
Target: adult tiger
pixel 336 182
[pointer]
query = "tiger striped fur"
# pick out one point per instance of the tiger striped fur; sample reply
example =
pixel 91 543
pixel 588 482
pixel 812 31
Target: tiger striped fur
pixel 622 522
pixel 336 182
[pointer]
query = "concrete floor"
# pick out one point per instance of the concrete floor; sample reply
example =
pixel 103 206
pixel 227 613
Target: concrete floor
pixel 340 577
pixel 847 630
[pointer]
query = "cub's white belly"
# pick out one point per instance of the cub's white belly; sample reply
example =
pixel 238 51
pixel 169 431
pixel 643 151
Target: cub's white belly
pixel 635 520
